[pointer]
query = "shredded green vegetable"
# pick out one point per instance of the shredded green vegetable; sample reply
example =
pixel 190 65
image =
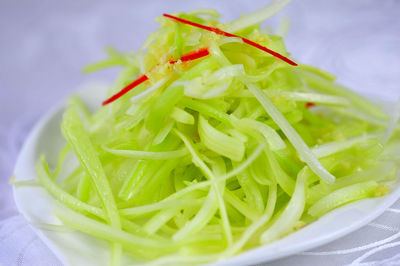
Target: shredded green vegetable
pixel 218 155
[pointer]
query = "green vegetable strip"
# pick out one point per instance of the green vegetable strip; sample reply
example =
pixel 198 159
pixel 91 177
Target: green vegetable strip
pixel 148 155
pixel 299 144
pixel 116 254
pixel 165 104
pixel 251 191
pixel 156 86
pixel 80 142
pixel 391 151
pixel 145 209
pixel 330 148
pixel 163 107
pixel 279 175
pixel 206 109
pixel 125 75
pixel 63 197
pixel 158 220
pixel 273 139
pixel 216 52
pixel 104 64
pixel 54 189
pixel 95 228
pixel 207 210
pixel 178 40
pixel 343 196
pixel 261 172
pixel 377 173
pixel 241 167
pixel 358 101
pixel 151 181
pixel 116 59
pixel 207 172
pixel 137 230
pixel 201 219
pixel 258 16
pixel 204 11
pixel 310 97
pixel 61 158
pixel 286 160
pixel 257 224
pixel 362 116
pixel 317 71
pixel 240 205
pixel 129 183
pixel 182 116
pixel 219 142
pixel 82 109
pixel 30 182
pixel 297 96
pixel 70 183
pixel 163 133
pixel 83 190
pixel 142 168
pixel 292 213
pixel 207 64
pixel 138 109
pixel 237 134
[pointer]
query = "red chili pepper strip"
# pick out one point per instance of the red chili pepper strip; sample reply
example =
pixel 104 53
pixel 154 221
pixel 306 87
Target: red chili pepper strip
pixel 309 105
pixel 186 57
pixel 194 24
pixel 192 55
pixel 132 85
pixel 227 34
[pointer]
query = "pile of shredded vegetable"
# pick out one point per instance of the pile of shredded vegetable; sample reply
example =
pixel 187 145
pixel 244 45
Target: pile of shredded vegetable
pixel 212 141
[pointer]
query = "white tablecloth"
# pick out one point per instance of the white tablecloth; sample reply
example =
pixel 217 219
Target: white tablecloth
pixel 44 44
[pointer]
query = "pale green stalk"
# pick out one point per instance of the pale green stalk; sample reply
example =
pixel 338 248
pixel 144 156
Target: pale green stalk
pixel 301 147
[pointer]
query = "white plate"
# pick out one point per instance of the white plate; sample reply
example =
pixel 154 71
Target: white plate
pixel 75 248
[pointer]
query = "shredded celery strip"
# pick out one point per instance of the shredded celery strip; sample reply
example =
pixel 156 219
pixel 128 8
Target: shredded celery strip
pixel 199 163
pixel 145 209
pixel 360 102
pixel 219 142
pixel 299 97
pixel 79 140
pixel 149 155
pixel 257 16
pixel 270 135
pixel 257 224
pixel 337 146
pixel 182 116
pixel 158 85
pixel 301 147
pixel 93 227
pixel 343 196
pixel 291 214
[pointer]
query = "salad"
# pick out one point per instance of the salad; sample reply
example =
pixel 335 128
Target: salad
pixel 212 141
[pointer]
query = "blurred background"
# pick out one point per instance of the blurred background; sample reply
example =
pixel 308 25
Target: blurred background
pixel 44 45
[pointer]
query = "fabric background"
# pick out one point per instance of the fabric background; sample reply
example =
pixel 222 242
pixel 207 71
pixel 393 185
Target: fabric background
pixel 44 44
